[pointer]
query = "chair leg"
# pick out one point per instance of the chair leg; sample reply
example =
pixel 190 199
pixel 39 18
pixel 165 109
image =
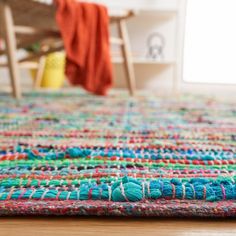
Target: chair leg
pixel 126 54
pixel 10 41
pixel 39 73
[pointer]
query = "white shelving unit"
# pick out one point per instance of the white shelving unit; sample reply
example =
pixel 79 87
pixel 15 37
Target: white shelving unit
pixel 162 16
pixel 138 61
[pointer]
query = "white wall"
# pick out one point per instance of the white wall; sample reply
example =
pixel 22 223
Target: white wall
pixel 210 47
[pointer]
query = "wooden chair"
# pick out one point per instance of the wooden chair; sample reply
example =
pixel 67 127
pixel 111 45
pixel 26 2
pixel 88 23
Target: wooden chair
pixel 25 22
pixel 120 21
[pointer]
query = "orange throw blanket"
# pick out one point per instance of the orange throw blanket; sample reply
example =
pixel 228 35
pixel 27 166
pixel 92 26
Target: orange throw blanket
pixel 85 31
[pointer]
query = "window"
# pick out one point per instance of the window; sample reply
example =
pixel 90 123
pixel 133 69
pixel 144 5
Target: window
pixel 210 42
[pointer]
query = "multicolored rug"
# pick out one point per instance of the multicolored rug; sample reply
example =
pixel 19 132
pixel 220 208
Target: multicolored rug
pixel 76 154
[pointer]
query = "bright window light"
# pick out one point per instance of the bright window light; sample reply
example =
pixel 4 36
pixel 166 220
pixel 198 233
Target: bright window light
pixel 210 42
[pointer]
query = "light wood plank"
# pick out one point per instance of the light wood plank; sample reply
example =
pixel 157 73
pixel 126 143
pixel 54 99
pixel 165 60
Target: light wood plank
pixel 9 35
pixel 39 74
pixel 126 54
pixel 114 226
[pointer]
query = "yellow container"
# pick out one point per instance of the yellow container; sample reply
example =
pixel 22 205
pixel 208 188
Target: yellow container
pixel 54 71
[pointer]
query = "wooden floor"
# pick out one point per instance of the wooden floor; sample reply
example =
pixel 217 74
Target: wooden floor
pixel 114 226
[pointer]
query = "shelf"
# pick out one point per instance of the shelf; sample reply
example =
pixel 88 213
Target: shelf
pixel 163 11
pixel 158 14
pixel 145 61
pixel 146 10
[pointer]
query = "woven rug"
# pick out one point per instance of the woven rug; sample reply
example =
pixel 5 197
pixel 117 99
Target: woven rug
pixel 75 154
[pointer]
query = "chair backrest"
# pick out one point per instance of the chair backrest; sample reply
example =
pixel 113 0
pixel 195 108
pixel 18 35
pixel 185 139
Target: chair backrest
pixel 33 13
